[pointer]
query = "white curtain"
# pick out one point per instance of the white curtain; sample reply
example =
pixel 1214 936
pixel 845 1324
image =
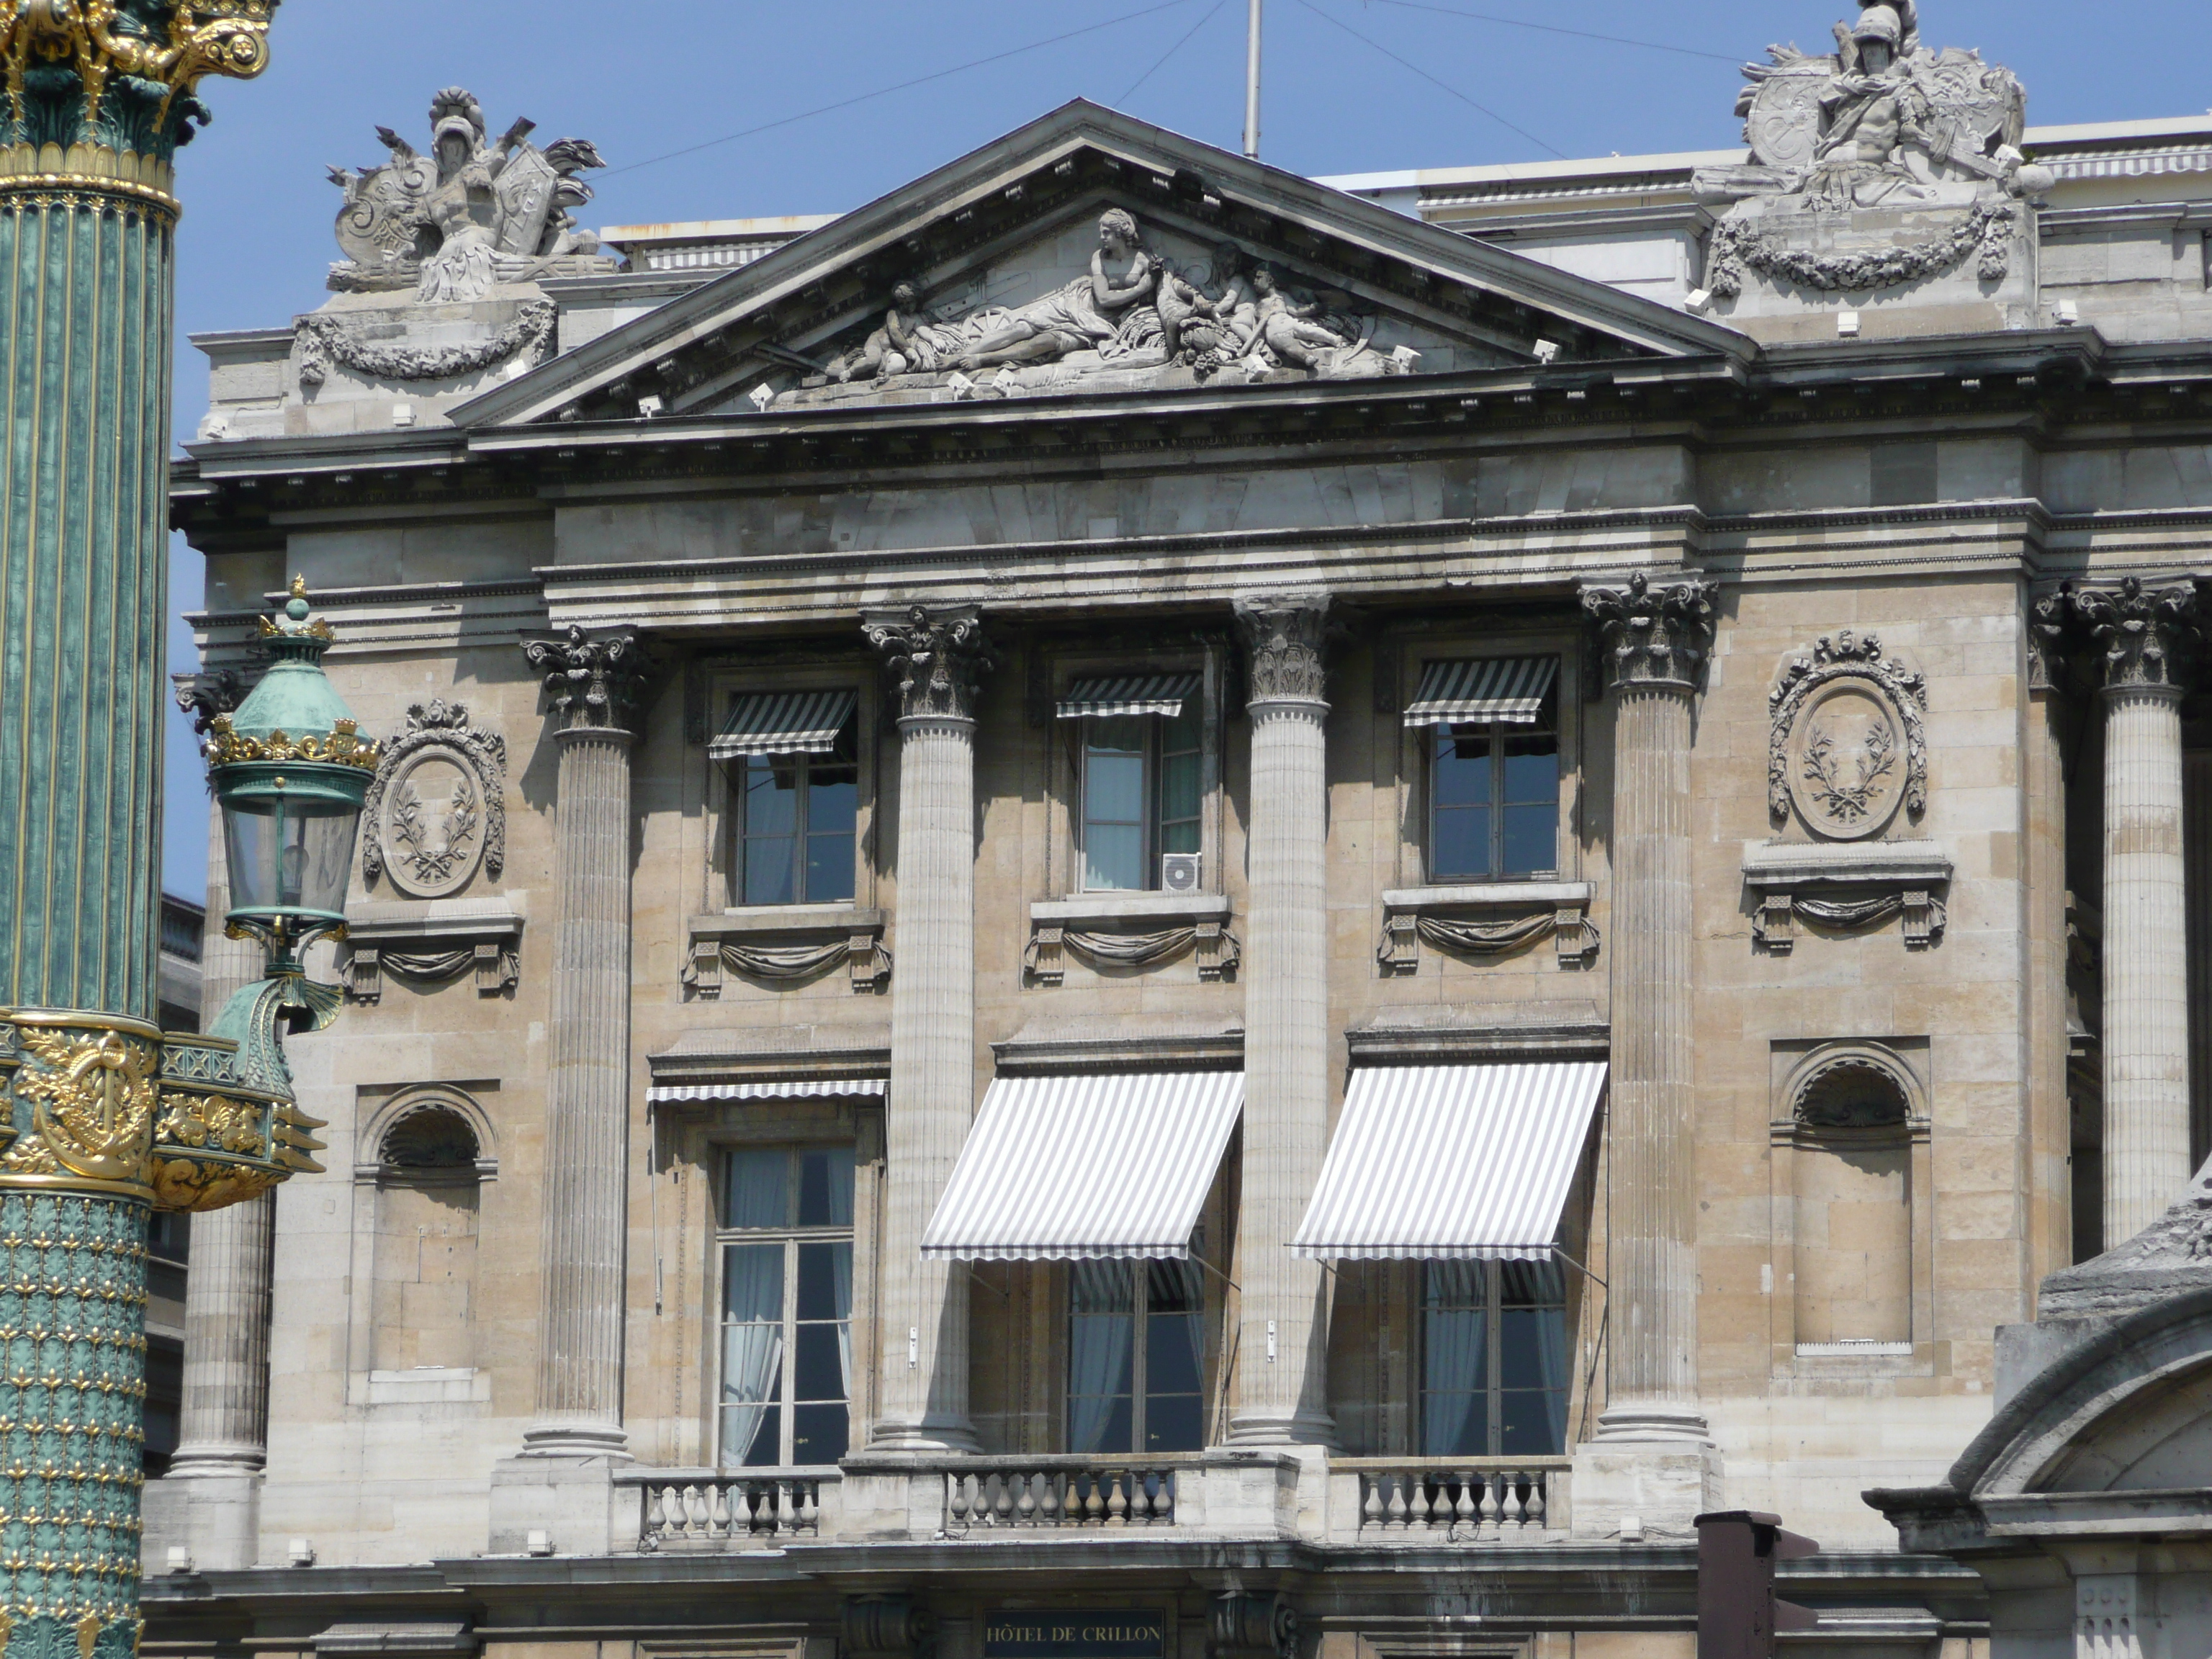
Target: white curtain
pixel 841 1281
pixel 1101 1328
pixel 1456 1361
pixel 752 1342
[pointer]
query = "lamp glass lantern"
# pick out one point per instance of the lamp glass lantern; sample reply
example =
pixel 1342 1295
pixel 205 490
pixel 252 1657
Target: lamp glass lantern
pixel 290 772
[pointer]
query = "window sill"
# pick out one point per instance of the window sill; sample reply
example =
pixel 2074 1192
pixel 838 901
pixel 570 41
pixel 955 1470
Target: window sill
pixel 1129 907
pixel 430 942
pixel 785 946
pixel 1846 887
pixel 1508 916
pixel 1130 932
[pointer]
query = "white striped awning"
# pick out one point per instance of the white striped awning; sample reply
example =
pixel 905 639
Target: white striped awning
pixel 1487 691
pixel 811 1088
pixel 1128 694
pixel 1444 1162
pixel 1070 1169
pixel 785 723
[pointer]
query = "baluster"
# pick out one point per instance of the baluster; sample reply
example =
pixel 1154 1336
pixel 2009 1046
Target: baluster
pixel 1488 1523
pixel 1533 1511
pixel 1049 1502
pixel 956 1499
pixel 1117 1498
pixel 1165 1507
pixel 810 1506
pixel 1397 1516
pixel 1370 1502
pixel 1002 1506
pixel 726 1509
pixel 1511 1517
pixel 1094 1499
pixel 786 1508
pixel 656 1515
pixel 1025 1509
pixel 1463 1504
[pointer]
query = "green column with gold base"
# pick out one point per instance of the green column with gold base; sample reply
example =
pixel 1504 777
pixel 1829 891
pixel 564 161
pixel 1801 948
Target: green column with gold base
pixel 101 1117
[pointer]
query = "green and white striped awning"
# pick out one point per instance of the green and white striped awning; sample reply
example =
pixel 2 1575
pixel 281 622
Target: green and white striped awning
pixel 785 723
pixel 1128 694
pixel 1483 691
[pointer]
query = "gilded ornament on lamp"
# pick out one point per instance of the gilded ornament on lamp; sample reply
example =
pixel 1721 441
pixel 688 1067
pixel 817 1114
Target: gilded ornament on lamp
pixel 344 746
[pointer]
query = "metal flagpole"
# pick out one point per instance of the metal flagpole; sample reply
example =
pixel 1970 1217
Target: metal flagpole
pixel 1252 86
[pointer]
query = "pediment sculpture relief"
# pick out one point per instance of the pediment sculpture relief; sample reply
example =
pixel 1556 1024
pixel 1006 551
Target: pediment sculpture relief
pixel 1847 747
pixel 1885 162
pixel 436 812
pixel 1140 316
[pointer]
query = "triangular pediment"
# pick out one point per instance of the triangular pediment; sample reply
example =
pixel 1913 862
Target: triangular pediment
pixel 1240 273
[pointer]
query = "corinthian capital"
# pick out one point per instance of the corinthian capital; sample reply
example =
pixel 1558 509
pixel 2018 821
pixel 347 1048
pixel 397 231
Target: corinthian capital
pixel 940 657
pixel 1653 635
pixel 1282 642
pixel 592 682
pixel 2145 635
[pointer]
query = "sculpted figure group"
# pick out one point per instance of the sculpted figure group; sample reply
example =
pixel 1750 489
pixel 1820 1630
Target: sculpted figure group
pixel 1133 308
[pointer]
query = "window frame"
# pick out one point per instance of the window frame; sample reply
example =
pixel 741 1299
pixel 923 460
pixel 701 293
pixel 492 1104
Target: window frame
pixel 720 802
pixel 1492 1390
pixel 1400 660
pixel 1053 674
pixel 1154 824
pixel 801 831
pixel 1140 1270
pixel 788 1237
pixel 1498 805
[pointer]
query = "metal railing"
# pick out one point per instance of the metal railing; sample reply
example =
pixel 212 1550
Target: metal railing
pixel 694 1509
pixel 1460 1500
pixel 1060 1492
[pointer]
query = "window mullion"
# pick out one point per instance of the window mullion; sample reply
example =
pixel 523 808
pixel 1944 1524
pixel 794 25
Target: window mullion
pixel 1138 1356
pixel 789 1425
pixel 1497 800
pixel 798 816
pixel 1493 1384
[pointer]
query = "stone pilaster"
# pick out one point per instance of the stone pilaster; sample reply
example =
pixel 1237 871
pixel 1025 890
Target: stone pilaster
pixel 2046 1176
pixel 594 684
pixel 1652 1459
pixel 936 657
pixel 1281 1394
pixel 2144 635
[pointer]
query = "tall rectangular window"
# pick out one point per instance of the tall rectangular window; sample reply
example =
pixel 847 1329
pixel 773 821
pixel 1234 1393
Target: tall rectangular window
pixel 1136 1348
pixel 1494 1362
pixel 797 815
pixel 787 1324
pixel 1493 802
pixel 1141 787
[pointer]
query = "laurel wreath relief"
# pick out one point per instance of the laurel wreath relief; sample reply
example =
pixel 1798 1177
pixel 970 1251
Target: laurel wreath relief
pixel 1850 793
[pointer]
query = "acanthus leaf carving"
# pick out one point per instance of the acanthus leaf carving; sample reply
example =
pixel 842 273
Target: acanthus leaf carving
pixel 937 658
pixel 592 682
pixel 1654 635
pixel 2149 635
pixel 1283 638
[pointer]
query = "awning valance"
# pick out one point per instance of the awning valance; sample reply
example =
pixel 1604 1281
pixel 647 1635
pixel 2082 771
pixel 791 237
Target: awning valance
pixel 1467 1163
pixel 1087 1167
pixel 811 1088
pixel 785 723
pixel 1128 694
pixel 1487 691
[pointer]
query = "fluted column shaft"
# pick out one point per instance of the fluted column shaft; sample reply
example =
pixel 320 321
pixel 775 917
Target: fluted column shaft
pixel 2146 1028
pixel 1281 1377
pixel 2147 635
pixel 924 1378
pixel 224 1427
pixel 1655 639
pixel 595 684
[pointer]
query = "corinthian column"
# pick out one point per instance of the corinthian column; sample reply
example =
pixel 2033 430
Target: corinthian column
pixel 2142 633
pixel 1281 1387
pixel 594 685
pixel 1655 640
pixel 937 658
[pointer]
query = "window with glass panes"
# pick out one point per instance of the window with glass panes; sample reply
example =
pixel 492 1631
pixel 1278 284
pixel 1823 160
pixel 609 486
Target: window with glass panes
pixel 1493 801
pixel 796 816
pixel 1494 1371
pixel 1140 789
pixel 1135 1353
pixel 787 1324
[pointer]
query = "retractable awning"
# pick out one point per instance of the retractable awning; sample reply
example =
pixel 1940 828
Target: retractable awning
pixel 785 723
pixel 1436 1163
pixel 1087 1167
pixel 1488 691
pixel 811 1087
pixel 1128 694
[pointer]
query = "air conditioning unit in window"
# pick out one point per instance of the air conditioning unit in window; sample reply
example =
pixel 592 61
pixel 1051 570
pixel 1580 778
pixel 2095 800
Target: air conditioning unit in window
pixel 1179 872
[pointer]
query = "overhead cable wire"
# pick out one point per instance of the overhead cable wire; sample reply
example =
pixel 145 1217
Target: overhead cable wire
pixel 902 86
pixel 1170 52
pixel 1446 86
pixel 1553 28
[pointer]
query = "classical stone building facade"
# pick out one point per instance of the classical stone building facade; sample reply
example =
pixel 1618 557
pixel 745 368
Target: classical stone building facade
pixel 1135 907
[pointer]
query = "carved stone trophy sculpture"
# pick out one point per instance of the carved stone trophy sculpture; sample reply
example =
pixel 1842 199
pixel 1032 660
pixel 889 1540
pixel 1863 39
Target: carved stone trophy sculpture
pixel 1883 165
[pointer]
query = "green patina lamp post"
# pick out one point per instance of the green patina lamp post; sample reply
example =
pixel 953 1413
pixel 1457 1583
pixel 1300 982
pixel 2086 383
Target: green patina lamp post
pixel 102 1117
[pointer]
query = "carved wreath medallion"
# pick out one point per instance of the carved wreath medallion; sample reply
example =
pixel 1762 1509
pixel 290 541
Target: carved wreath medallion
pixel 437 811
pixel 1847 745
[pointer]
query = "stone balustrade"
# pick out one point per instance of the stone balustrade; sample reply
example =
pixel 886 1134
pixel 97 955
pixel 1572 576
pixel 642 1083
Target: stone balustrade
pixel 1455 1500
pixel 724 1509
pixel 1061 1491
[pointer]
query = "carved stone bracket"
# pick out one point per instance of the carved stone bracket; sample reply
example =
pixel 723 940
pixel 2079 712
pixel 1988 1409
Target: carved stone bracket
pixel 436 811
pixel 1198 924
pixel 593 682
pixel 431 943
pixel 1246 1626
pixel 208 693
pixel 1283 638
pixel 2047 642
pixel 1490 921
pixel 2147 636
pixel 938 659
pixel 1846 743
pixel 1845 887
pixel 1653 635
pixel 787 945
pixel 895 1626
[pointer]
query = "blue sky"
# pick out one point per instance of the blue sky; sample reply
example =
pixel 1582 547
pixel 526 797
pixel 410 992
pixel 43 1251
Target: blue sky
pixel 1429 85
